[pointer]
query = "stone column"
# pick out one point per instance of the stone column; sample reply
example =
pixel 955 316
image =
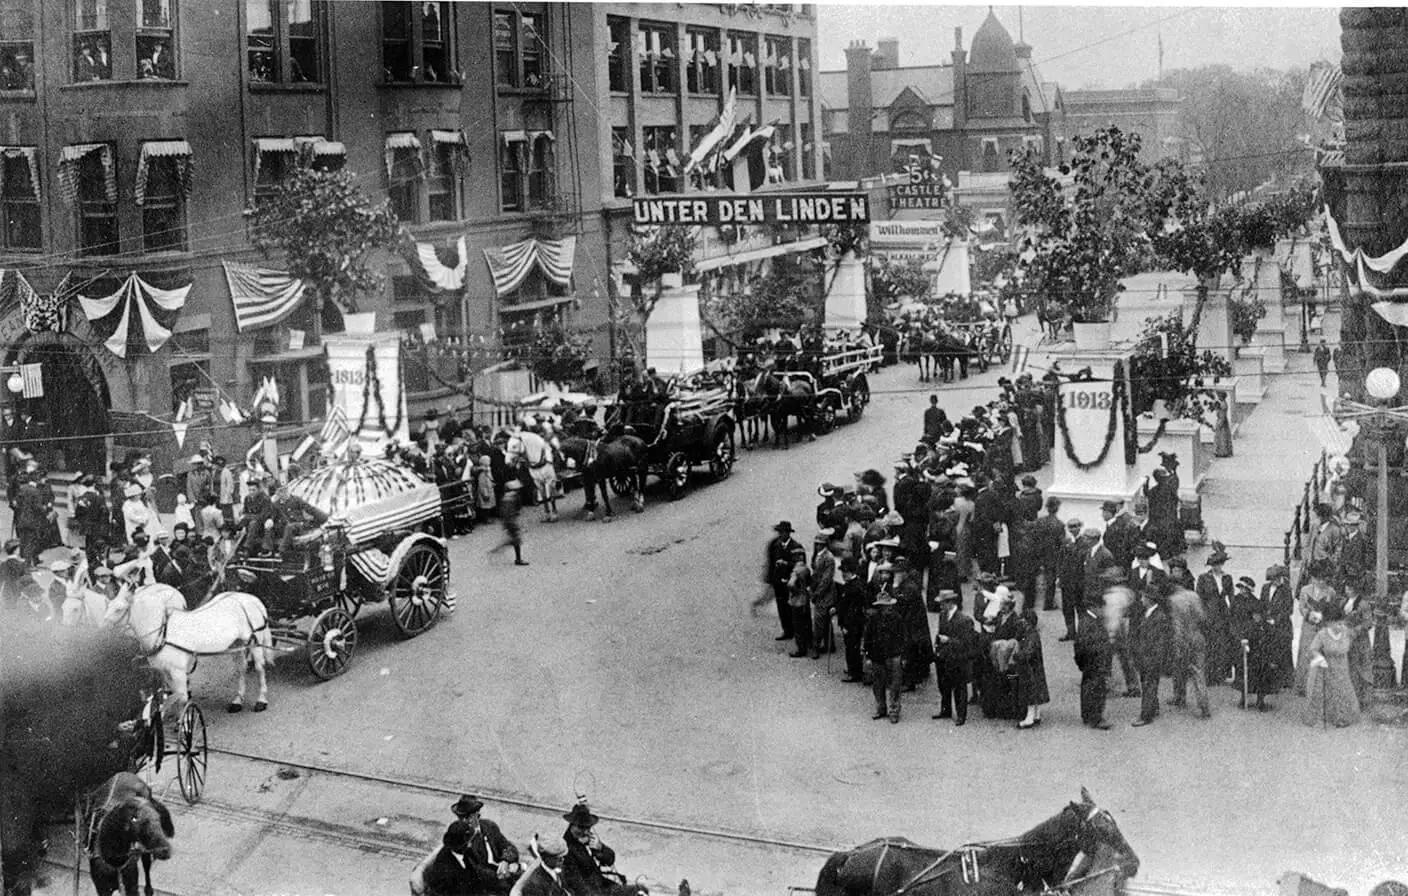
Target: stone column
pixel 673 343
pixel 1215 325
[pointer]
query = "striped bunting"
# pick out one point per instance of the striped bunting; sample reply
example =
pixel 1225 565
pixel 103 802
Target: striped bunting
pixel 373 496
pixel 1321 88
pixel 510 265
pixel 336 434
pixel 71 158
pixel 703 404
pixel 261 297
pixel 374 565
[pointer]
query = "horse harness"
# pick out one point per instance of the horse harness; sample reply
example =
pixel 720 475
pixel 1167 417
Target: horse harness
pixel 162 641
pixel 93 848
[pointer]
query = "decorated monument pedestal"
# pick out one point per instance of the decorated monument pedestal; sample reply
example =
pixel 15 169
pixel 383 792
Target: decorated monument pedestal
pixel 845 294
pixel 1250 368
pixel 673 343
pixel 1089 458
pixel 364 375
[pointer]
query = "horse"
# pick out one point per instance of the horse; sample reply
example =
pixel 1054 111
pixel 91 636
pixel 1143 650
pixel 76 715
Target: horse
pixel 1063 848
pixel 751 407
pixel 128 826
pixel 172 638
pixel 783 397
pixel 601 461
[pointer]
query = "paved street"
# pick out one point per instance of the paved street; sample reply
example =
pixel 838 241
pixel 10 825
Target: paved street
pixel 625 663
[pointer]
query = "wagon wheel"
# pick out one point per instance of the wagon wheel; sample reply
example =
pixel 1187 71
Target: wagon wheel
pixel 623 485
pixel 192 753
pixel 417 590
pixel 676 475
pixel 826 418
pixel 348 601
pixel 331 642
pixel 724 454
pixel 1004 344
pixel 860 397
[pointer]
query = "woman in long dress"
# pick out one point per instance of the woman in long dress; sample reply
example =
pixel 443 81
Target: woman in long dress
pixel 999 697
pixel 1329 689
pixel 1358 615
pixel 1316 596
pixel 1032 692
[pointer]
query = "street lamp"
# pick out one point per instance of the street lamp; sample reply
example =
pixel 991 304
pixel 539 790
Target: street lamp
pixel 1382 426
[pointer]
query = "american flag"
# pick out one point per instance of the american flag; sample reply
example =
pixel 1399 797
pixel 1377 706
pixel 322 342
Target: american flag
pixel 335 434
pixel 1321 89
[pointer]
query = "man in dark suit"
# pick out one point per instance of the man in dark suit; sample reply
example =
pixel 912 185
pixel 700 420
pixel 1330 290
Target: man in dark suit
pixel 1356 548
pixel 31 517
pixel 489 854
pixel 852 602
pixel 779 569
pixel 1215 590
pixel 1098 558
pixel 955 651
pixel 1093 655
pixel 1153 644
pixel 1071 573
pixel 546 878
pixel 1145 577
pixel 450 872
pixel 587 869
pixel 1047 536
pixel 991 510
pixel 1120 532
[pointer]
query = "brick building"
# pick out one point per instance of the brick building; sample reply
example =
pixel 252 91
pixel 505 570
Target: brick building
pixel 1150 112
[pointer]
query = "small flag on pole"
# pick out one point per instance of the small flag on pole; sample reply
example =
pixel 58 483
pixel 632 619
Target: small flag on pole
pixel 1021 356
pixel 335 433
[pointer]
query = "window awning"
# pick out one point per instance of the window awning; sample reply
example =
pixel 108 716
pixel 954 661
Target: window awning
pixel 179 150
pixel 399 142
pixel 28 154
pixel 71 157
pixel 535 136
pixel 329 148
pixel 274 144
pixel 456 137
pixel 510 265
pixel 514 136
pixel 459 149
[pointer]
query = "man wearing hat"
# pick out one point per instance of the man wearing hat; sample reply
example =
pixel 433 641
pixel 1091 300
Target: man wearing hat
pixel 1356 548
pixel 1215 590
pixel 1045 538
pixel 829 513
pixel 199 482
pixel 546 878
pixel 852 604
pixel 489 854
pixel 883 645
pixel 781 551
pixel 823 590
pixel 1152 642
pixel 1070 571
pixel 955 651
pixel 451 871
pixel 587 869
pixel 89 524
pixel 1121 532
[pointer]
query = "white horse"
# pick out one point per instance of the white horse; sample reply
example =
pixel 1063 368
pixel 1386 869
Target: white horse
pixel 172 638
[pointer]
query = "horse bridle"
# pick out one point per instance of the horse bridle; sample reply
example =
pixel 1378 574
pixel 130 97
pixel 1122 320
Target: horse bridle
pixel 134 846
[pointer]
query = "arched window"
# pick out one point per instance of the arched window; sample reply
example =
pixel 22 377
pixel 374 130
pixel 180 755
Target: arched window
pixel 1026 107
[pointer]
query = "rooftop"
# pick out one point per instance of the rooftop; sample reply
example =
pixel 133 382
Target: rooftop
pixel 933 82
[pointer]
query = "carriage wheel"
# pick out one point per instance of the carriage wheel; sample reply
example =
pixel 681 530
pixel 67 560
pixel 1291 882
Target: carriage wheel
pixel 417 591
pixel 331 642
pixel 623 485
pixel 192 753
pixel 860 397
pixel 826 417
pixel 348 602
pixel 676 475
pixel 1004 344
pixel 724 454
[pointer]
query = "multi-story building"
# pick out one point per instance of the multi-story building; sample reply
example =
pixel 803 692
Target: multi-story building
pixel 136 133
pixel 1150 112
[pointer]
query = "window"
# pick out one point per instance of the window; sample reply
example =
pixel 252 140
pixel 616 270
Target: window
pixel 164 208
pixel 92 41
pixel 783 149
pixel 94 182
pixel 283 39
pixel 662 161
pixel 403 172
pixel 702 63
pixel 777 66
pixel 656 49
pixel 743 62
pixel 19 198
pixel 416 42
pixel 541 169
pixel 155 47
pixel 623 163
pixel 808 153
pixel 16 44
pixel 1026 107
pixel 519 46
pixel 989 154
pixel 618 74
pixel 447 162
pixel 187 378
pixel 513 147
pixel 804 67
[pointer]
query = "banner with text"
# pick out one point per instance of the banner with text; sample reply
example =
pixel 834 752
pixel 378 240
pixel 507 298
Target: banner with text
pixel 364 374
pixel 823 207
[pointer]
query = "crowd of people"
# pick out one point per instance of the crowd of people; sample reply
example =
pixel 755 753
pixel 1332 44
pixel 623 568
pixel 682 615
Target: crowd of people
pixel 475 858
pixel 965 533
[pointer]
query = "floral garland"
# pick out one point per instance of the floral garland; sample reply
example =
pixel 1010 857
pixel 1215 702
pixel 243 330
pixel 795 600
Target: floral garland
pixel 1154 440
pixel 372 386
pixel 1116 408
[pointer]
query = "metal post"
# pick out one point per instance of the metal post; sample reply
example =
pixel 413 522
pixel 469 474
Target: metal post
pixel 1382 607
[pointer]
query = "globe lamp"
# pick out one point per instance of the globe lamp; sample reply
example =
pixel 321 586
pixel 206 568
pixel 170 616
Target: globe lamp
pixel 1382 383
pixel 15 383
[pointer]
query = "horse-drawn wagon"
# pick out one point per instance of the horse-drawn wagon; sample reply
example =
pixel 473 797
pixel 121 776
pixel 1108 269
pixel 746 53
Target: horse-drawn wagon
pixel 681 431
pixel 989 340
pixel 374 548
pixel 844 384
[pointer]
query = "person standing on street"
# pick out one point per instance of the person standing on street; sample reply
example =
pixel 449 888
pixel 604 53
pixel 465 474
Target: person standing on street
pixel 1094 653
pixel 1071 574
pixel 509 508
pixel 1276 595
pixel 884 645
pixel 1152 642
pixel 955 652
pixel 1215 590
pixel 779 571
pixel 823 592
pixel 852 602
pixel 1046 538
pixel 1190 648
pixel 1322 361
pixel 1121 532
pixel 1032 692
pixel 799 594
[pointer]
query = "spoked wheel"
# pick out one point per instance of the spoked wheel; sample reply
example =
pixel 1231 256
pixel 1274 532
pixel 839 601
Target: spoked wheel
pixel 417 591
pixel 192 753
pixel 724 454
pixel 622 485
pixel 1004 345
pixel 331 642
pixel 676 475
pixel 826 416
pixel 348 601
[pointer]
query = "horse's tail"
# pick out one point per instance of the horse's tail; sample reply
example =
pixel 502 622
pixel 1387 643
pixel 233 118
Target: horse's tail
pixel 262 634
pixel 828 882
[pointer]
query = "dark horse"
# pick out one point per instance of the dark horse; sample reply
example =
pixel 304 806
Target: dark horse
pixel 619 455
pixel 128 826
pixel 1081 843
pixel 784 397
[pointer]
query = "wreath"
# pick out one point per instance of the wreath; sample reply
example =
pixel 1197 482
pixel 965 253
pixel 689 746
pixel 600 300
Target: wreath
pixel 1118 406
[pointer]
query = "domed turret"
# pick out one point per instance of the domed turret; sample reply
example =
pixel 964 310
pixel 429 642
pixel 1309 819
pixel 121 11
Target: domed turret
pixel 993 50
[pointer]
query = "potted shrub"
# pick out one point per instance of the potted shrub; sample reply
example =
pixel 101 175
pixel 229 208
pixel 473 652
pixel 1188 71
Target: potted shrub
pixel 664 256
pixel 1167 370
pixel 1246 314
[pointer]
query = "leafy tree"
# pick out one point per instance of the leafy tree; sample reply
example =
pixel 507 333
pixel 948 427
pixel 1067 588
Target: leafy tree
pixel 1167 366
pixel 654 252
pixel 786 296
pixel 557 354
pixel 891 280
pixel 325 227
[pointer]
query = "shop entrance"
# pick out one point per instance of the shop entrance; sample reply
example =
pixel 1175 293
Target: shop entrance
pixel 67 428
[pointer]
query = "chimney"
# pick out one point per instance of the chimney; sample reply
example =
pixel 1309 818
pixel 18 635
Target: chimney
pixel 860 101
pixel 960 79
pixel 887 54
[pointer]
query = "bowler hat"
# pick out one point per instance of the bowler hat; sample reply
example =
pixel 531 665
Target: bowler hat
pixel 1217 557
pixel 580 816
pixel 826 489
pixel 1247 582
pixel 456 836
pixel 1275 571
pixel 784 526
pixel 467 805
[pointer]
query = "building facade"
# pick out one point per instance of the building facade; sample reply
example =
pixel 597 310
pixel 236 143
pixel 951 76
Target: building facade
pixel 1150 112
pixel 137 133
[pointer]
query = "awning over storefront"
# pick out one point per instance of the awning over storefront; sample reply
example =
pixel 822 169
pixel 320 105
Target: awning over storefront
pixel 179 150
pixel 510 265
pixel 71 157
pixel 261 297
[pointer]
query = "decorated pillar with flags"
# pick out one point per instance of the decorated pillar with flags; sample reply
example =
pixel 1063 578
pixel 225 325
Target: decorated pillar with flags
pixel 366 389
